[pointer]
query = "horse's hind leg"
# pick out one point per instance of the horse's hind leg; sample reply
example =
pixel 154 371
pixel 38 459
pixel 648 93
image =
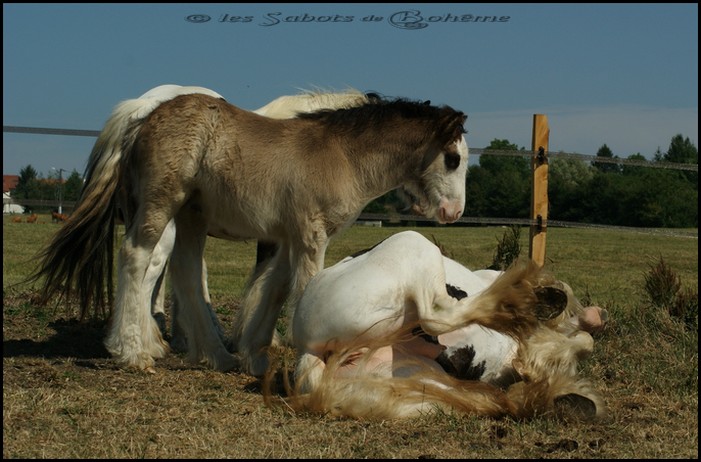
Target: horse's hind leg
pixel 203 336
pixel 133 336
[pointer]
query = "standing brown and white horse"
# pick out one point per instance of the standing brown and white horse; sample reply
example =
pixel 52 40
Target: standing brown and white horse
pixel 216 169
pixel 283 107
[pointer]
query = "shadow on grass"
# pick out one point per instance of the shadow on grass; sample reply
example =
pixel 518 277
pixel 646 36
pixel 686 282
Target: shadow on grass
pixel 73 339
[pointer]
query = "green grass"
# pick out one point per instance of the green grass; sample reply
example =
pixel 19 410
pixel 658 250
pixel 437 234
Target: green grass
pixel 609 264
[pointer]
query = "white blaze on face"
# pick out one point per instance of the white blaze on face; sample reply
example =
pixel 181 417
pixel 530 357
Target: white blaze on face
pixel 445 186
pixel 455 199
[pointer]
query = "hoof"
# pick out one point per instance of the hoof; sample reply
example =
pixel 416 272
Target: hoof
pixel 228 363
pixel 574 405
pixel 551 302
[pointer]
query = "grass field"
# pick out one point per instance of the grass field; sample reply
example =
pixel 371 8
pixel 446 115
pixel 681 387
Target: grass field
pixel 63 397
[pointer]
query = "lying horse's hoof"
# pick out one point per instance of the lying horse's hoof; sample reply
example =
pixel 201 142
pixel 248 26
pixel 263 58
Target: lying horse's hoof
pixel 551 302
pixel 573 405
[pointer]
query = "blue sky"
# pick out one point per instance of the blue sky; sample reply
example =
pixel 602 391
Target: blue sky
pixel 619 74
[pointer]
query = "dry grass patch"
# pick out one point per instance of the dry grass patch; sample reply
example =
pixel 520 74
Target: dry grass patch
pixel 63 397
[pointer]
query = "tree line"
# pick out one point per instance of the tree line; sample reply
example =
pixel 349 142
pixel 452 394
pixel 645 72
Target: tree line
pixel 32 185
pixel 500 187
pixel 581 191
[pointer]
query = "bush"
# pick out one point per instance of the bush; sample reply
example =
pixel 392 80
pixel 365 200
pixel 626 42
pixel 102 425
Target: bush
pixel 663 288
pixel 508 249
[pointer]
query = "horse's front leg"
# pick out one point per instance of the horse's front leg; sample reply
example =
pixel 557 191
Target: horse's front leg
pixel 180 330
pixel 307 260
pixel 267 291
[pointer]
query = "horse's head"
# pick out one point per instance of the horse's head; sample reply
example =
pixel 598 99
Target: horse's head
pixel 440 192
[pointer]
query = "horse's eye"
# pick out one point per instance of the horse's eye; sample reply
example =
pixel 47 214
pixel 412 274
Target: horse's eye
pixel 452 161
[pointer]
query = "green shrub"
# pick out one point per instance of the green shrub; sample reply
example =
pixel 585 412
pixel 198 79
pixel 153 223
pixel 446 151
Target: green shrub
pixel 508 249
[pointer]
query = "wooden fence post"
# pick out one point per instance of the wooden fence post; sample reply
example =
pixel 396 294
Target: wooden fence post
pixel 539 189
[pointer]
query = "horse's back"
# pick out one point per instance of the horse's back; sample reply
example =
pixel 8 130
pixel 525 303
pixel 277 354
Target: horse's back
pixel 213 120
pixel 169 91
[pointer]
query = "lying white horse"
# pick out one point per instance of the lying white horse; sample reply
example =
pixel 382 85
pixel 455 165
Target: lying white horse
pixel 364 357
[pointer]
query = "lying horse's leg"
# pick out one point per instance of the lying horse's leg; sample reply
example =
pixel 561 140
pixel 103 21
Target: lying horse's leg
pixel 563 395
pixel 187 271
pixel 255 322
pixel 309 372
pixel 514 304
pixel 133 336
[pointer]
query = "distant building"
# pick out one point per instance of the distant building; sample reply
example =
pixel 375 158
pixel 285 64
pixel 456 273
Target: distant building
pixel 9 182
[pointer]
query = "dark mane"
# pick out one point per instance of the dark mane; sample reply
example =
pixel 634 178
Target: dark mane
pixel 378 110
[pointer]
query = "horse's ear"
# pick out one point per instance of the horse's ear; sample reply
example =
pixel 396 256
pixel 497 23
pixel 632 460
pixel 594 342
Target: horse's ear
pixel 373 96
pixel 454 126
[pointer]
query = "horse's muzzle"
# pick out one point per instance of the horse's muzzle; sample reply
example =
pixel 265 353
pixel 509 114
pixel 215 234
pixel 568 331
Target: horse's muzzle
pixel 450 211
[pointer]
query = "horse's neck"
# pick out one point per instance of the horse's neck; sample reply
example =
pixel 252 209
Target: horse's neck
pixel 380 164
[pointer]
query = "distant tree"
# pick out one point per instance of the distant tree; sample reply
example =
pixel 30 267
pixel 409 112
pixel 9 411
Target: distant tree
pixel 387 203
pixel 682 151
pixel 28 184
pixel 606 153
pixel 657 198
pixel 501 182
pixel 567 182
pixel 569 172
pixel 602 199
pixel 72 186
pixel 503 145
